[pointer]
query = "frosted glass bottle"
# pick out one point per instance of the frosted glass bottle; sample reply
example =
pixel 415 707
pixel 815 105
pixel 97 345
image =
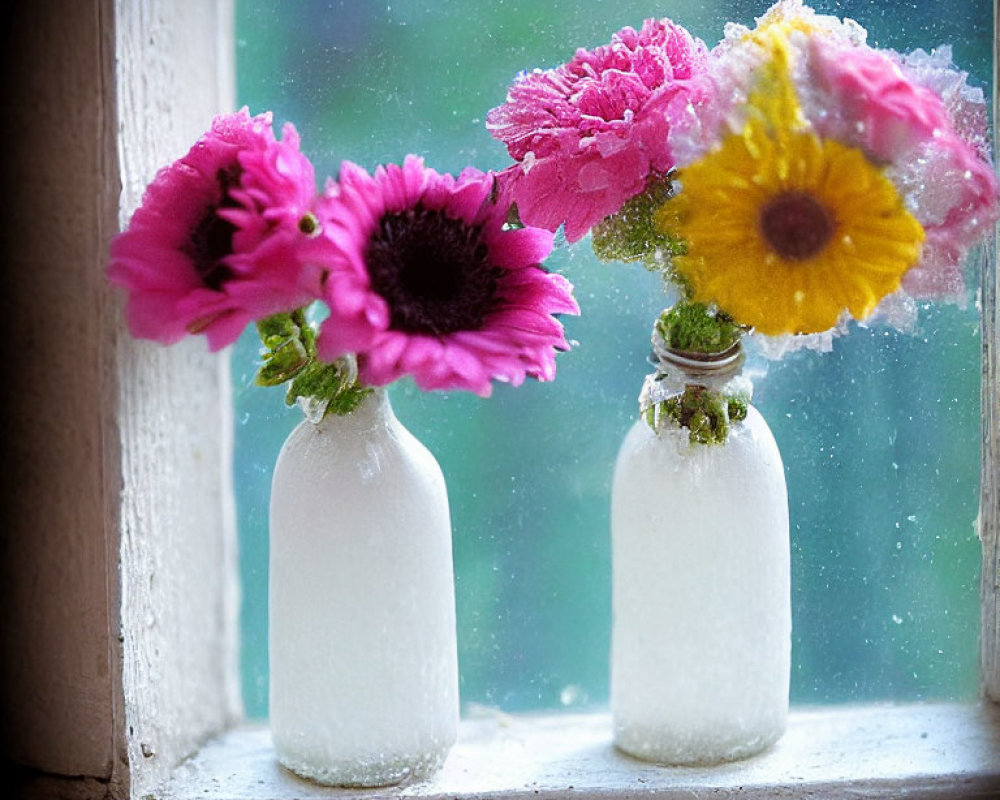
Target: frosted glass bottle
pixel 701 633
pixel 363 657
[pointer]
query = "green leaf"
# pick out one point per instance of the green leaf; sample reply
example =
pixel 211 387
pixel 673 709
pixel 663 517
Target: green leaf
pixel 706 414
pixel 282 363
pixel 289 357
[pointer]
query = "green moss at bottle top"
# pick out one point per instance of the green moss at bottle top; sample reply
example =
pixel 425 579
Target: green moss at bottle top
pixel 706 409
pixel 694 328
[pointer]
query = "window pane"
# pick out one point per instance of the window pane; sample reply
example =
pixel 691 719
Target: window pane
pixel 880 437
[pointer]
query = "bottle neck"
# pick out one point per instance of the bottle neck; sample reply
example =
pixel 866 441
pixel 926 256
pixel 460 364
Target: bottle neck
pixel 702 392
pixel 681 368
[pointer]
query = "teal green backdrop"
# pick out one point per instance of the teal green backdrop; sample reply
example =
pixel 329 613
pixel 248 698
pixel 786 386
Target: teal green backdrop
pixel 880 437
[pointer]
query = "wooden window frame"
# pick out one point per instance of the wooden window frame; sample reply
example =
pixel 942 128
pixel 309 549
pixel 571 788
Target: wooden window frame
pixel 119 556
pixel 119 559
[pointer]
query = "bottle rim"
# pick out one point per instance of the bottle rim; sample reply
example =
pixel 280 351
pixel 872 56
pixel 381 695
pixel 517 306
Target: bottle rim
pixel 699 363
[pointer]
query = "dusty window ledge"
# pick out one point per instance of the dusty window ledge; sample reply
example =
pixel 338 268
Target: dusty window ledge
pixel 932 750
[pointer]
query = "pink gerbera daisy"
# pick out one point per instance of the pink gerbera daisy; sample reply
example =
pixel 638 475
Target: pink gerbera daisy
pixel 587 135
pixel 213 245
pixel 426 279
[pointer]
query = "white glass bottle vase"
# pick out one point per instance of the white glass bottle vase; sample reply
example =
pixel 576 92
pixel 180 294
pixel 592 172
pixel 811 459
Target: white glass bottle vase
pixel 363 658
pixel 701 633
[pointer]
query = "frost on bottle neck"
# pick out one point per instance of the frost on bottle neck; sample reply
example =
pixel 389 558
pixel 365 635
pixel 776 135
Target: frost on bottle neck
pixel 703 393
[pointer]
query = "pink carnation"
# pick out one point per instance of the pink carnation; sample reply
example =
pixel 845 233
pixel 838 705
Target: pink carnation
pixel 213 245
pixel 586 135
pixel 425 279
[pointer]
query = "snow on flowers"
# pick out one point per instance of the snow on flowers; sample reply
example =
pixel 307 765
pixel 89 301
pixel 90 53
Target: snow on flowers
pixel 417 270
pixel 897 190
pixel 791 178
pixel 787 230
pixel 785 182
pixel 803 178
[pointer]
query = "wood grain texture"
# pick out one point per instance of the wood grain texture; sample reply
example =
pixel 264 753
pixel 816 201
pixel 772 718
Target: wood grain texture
pixel 117 451
pixel 61 659
pixel 178 558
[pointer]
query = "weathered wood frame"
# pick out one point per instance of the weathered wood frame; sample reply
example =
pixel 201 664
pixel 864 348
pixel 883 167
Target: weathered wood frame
pixel 118 559
pixel 118 620
pixel 61 665
pixel 989 509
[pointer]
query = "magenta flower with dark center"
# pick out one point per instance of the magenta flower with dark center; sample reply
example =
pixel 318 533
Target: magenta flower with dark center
pixel 433 271
pixel 215 243
pixel 211 240
pixel 424 278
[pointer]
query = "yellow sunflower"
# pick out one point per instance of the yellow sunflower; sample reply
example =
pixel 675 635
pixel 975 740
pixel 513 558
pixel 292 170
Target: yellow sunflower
pixel 785 231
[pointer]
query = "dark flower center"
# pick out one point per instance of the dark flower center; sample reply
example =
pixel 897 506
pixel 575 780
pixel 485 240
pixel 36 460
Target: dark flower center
pixel 212 237
pixel 796 225
pixel 433 271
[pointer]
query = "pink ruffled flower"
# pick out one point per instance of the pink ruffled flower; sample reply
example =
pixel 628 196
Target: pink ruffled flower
pixel 912 114
pixel 889 114
pixel 959 203
pixel 425 279
pixel 214 244
pixel 965 104
pixel 587 134
pixel 917 116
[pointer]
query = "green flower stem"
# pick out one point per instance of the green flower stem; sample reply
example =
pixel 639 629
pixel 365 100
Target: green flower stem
pixel 704 403
pixel 290 358
pixel 631 234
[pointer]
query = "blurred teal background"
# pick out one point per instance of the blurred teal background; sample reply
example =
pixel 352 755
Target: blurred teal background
pixel 880 437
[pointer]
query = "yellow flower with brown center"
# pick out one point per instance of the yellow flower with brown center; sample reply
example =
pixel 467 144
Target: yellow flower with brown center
pixel 784 230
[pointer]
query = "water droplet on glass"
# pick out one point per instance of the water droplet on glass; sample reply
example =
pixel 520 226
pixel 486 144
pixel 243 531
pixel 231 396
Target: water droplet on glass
pixel 572 695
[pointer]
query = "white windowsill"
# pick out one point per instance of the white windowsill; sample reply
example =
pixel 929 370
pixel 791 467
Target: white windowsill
pixel 933 750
